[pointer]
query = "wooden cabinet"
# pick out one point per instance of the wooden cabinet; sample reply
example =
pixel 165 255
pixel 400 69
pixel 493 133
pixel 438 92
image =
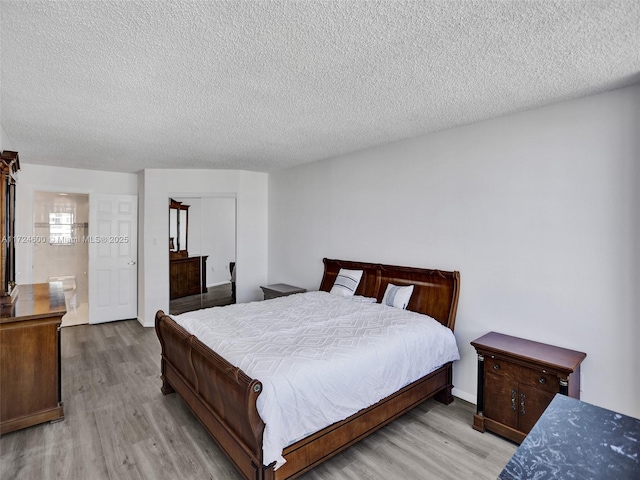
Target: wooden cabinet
pixel 30 383
pixel 517 379
pixel 280 290
pixel 188 276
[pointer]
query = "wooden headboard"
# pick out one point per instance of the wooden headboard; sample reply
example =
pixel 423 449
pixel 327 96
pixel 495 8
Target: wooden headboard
pixel 435 292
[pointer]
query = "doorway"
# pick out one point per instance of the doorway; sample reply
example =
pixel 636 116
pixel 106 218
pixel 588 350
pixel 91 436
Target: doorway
pixel 202 252
pixel 60 253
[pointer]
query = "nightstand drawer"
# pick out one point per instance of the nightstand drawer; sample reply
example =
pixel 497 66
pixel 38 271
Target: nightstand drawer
pixel 503 368
pixel 534 377
pixel 540 380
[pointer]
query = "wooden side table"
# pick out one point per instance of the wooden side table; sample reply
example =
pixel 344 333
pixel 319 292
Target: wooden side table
pixel 517 379
pixel 280 290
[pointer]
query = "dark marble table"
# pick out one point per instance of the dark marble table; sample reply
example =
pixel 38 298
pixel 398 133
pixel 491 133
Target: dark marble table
pixel 576 440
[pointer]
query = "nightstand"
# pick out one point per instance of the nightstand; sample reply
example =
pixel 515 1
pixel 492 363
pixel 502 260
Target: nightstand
pixel 280 290
pixel 517 379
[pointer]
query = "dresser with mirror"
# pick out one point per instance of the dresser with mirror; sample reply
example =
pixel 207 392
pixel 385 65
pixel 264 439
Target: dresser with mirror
pixel 187 274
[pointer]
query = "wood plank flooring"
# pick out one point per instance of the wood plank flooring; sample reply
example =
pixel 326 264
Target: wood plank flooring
pixel 119 426
pixel 214 297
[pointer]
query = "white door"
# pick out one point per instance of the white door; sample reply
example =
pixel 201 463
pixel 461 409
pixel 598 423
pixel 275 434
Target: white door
pixel 113 249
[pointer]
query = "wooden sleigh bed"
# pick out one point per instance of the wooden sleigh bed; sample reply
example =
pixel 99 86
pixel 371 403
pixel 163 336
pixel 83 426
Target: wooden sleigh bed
pixel 224 398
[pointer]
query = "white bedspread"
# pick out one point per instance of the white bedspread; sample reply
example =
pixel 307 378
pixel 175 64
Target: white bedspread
pixel 320 357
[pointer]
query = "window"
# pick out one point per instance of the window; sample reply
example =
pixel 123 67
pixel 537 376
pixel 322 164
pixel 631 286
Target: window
pixel 60 227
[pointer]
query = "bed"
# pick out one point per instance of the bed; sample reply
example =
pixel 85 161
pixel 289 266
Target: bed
pixel 225 399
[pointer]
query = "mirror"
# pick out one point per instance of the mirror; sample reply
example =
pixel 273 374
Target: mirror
pixel 203 276
pixel 178 228
pixel 173 229
pixel 9 165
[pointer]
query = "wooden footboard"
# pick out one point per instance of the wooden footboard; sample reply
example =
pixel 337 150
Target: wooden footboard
pixel 220 395
pixel 315 449
pixel 224 398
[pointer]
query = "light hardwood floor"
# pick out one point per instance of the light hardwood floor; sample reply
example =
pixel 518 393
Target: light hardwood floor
pixel 119 426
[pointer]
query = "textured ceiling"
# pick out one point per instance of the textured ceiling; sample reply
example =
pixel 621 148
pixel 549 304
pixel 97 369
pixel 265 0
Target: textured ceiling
pixel 262 85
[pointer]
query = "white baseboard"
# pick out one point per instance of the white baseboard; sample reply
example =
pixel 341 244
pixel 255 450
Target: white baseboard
pixel 141 321
pixel 464 395
pixel 217 284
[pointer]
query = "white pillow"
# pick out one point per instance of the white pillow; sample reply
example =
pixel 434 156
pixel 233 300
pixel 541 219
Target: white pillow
pixel 398 297
pixel 346 282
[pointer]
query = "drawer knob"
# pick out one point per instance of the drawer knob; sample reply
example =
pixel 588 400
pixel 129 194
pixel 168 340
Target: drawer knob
pixel 542 380
pixel 496 367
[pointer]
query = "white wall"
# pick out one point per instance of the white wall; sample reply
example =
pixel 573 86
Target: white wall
pixel 538 211
pixel 250 190
pixel 32 178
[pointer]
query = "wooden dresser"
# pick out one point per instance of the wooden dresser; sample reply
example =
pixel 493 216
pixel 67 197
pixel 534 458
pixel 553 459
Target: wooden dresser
pixel 30 382
pixel 517 379
pixel 187 276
